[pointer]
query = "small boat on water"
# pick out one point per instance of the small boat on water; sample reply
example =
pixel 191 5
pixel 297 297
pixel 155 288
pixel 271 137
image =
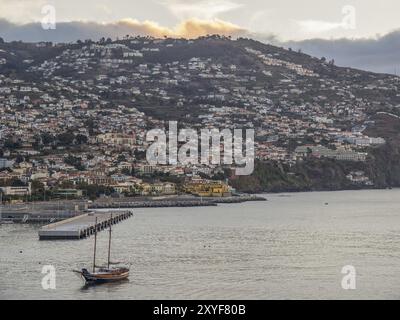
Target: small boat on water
pixel 103 274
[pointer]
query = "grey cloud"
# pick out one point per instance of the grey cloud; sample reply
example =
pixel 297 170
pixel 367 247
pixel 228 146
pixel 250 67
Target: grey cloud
pixel 378 55
pixel 72 31
pixel 381 54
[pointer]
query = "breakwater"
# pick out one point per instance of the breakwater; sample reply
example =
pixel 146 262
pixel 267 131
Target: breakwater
pixel 165 203
pixel 54 211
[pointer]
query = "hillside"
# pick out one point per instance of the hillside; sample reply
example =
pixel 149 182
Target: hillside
pixel 291 99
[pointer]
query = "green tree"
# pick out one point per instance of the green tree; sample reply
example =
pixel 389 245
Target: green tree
pixel 75 162
pixel 47 138
pixel 66 139
pixel 38 188
pixel 81 139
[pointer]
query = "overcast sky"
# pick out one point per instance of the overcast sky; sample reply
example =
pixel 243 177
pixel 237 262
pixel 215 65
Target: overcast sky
pixel 288 19
pixel 359 33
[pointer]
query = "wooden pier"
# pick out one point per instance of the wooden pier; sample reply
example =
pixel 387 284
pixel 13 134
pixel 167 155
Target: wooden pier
pixel 82 226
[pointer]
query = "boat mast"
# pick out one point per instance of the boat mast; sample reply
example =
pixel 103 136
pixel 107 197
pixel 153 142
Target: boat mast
pixel 95 242
pixel 1 206
pixel 109 243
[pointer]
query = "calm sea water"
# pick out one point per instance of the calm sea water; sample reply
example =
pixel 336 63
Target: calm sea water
pixel 291 247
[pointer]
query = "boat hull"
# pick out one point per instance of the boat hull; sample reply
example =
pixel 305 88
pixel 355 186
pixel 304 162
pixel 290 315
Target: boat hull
pixel 105 276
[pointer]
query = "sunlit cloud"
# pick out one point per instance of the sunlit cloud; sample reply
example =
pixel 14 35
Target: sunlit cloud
pixel 72 31
pixel 202 9
pixel 21 10
pixel 191 28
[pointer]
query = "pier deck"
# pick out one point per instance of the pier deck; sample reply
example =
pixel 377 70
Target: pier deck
pixel 81 226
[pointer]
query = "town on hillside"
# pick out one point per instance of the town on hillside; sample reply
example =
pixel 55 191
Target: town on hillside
pixel 74 117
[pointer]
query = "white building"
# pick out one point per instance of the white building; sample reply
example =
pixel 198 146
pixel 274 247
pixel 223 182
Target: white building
pixel 16 191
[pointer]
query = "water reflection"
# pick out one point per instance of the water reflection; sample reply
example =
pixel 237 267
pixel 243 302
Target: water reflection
pixel 107 286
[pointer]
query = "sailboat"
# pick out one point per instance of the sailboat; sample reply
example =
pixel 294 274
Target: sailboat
pixel 103 274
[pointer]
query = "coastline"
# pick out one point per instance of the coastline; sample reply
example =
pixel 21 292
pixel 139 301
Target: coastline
pixel 52 211
pixel 164 202
pixel 263 192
